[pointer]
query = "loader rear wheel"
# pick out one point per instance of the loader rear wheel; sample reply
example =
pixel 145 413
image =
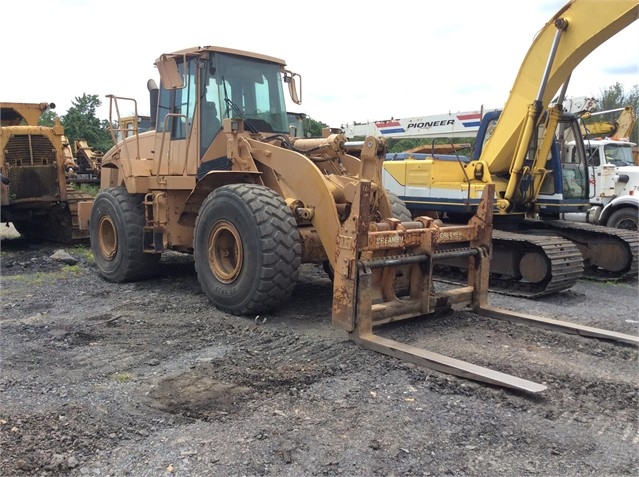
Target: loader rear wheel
pixel 29 229
pixel 54 226
pixel 247 249
pixel 398 208
pixel 116 232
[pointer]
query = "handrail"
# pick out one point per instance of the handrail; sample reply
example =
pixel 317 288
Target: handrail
pixel 113 103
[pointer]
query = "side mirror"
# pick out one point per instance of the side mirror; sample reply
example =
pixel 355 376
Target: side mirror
pixel 169 73
pixel 289 77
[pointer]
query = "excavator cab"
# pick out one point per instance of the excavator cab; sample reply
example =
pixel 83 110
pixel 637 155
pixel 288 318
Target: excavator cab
pixel 565 186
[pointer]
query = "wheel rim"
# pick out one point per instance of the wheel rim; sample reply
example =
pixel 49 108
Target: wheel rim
pixel 107 238
pixel 627 224
pixel 225 252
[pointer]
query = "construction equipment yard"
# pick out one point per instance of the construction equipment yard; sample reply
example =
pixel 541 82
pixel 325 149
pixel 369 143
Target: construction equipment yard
pixel 148 379
pixel 240 299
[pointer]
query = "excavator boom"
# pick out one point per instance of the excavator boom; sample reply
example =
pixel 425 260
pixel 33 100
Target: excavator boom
pixel 572 34
pixel 523 155
pixel 620 128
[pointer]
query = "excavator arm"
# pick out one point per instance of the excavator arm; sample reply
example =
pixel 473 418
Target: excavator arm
pixel 620 128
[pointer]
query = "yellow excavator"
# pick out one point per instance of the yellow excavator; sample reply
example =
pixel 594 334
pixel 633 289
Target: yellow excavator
pixel 619 128
pixel 221 176
pixel 534 253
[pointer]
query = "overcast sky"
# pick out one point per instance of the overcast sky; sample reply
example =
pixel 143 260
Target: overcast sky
pixel 358 62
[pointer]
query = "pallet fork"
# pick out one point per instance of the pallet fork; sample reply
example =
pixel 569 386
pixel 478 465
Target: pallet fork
pixel 394 255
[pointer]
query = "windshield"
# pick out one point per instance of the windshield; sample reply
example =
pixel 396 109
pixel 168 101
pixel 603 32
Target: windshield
pixel 253 86
pixel 619 154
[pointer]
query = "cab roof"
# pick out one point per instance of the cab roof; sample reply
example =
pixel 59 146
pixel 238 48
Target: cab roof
pixel 200 49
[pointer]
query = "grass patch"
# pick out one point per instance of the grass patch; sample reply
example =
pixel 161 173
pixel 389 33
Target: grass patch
pixel 90 189
pixel 38 278
pixel 122 377
pixel 82 251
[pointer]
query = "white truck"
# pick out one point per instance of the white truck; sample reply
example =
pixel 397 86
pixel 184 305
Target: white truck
pixel 614 184
pixel 613 175
pixel 460 124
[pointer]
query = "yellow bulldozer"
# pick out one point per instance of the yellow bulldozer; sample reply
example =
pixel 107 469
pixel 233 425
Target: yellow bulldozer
pixel 35 196
pixel 220 176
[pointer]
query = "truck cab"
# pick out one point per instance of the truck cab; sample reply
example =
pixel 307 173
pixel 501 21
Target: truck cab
pixel 613 180
pixel 611 169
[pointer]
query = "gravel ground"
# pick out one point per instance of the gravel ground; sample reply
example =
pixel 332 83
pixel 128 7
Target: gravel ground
pixel 147 379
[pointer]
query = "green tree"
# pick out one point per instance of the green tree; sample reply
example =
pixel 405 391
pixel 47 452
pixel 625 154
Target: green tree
pixel 80 122
pixel 400 145
pixel 48 118
pixel 313 128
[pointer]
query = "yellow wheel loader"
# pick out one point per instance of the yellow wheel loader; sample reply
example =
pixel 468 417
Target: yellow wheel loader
pixel 220 177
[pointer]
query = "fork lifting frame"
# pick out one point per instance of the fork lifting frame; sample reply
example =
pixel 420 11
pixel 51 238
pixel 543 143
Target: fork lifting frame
pixel 362 299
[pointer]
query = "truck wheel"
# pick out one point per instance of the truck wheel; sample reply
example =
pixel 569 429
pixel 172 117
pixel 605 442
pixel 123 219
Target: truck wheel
pixel 624 219
pixel 116 233
pixel 247 249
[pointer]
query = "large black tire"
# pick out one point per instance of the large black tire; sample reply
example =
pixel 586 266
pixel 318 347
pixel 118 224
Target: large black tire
pixel 398 208
pixel 247 249
pixel 116 231
pixel 626 218
pixel 29 229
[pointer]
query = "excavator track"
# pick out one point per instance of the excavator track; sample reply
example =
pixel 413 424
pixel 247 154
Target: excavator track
pixel 523 265
pixel 610 254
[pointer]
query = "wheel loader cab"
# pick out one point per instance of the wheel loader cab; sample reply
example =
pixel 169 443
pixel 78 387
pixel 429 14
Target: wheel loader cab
pixel 200 88
pixel 211 124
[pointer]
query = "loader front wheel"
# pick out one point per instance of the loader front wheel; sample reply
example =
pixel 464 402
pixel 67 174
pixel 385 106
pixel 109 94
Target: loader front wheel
pixel 116 233
pixel 247 249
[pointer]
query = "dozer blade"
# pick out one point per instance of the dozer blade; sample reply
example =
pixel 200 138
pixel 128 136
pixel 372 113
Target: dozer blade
pixel 370 289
